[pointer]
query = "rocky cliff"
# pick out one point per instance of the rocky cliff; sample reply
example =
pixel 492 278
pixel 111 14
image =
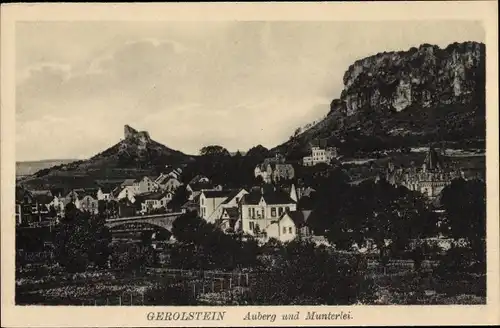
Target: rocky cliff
pixel 426 76
pixel 406 98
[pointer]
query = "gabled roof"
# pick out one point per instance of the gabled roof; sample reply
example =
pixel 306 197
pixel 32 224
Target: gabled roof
pixel 197 178
pixel 232 212
pixel 200 186
pixel 87 192
pixel 43 198
pixel 299 217
pixel 217 193
pixel 270 197
pixel 233 194
pixel 128 182
pixel 150 196
pixel 107 188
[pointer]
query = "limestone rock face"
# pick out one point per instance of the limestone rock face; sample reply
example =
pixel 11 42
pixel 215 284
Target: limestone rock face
pixel 429 75
pixel 403 99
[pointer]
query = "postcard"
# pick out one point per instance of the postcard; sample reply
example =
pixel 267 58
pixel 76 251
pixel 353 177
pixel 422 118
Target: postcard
pixel 249 164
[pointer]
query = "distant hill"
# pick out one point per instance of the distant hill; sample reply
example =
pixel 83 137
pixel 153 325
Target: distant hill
pixel 30 167
pixel 404 99
pixel 137 154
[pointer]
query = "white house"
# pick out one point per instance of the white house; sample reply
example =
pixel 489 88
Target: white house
pixel 89 204
pixel 58 204
pixel 73 197
pixel 210 201
pixel 260 209
pixel 153 201
pixel 167 182
pixel 320 155
pixel 105 193
pixel 283 229
pixel 195 189
pixel 122 192
pixel 146 184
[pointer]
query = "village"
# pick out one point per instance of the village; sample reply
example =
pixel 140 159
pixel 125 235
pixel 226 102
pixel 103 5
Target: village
pixel 268 210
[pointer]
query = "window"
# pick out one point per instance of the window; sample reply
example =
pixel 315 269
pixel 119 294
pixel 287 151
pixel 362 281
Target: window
pixel 273 212
pixel 287 209
pixel 203 201
pixel 290 230
pixel 252 226
pixel 284 230
pixel 253 212
pixel 249 212
pixel 280 210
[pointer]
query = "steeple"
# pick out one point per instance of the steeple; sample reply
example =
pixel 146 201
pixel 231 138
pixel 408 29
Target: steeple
pixel 432 160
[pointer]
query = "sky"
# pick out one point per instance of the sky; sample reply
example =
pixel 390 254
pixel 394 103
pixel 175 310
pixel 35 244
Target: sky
pixel 191 84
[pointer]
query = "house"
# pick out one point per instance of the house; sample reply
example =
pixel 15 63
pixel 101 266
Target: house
pixel 199 179
pixel 259 209
pixel 105 193
pixel 128 191
pixel 274 170
pixel 320 155
pixel 151 201
pixel 229 220
pixel 227 213
pixel 192 205
pixel 283 229
pixel 195 189
pixel 126 208
pixel 168 183
pixel 175 173
pixel 89 201
pixel 305 192
pixel 146 184
pixel 73 197
pixel 58 204
pixel 210 201
pixel 24 201
pixel 430 179
pixel 41 205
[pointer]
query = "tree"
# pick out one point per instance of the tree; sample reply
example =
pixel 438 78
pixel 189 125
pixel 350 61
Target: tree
pixel 309 275
pixel 82 240
pixel 202 245
pixel 379 212
pixel 214 150
pixel 259 152
pixel 179 198
pixel 465 206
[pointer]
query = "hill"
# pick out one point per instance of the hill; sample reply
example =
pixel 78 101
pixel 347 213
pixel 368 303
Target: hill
pixel 25 168
pixel 404 99
pixel 137 154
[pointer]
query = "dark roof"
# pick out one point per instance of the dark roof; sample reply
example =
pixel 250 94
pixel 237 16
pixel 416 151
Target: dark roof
pixel 88 192
pixel 128 182
pixel 217 193
pixel 43 198
pixel 232 212
pixel 232 195
pixel 200 186
pixel 107 189
pixel 150 195
pixel 197 178
pixel 270 197
pixel 192 203
pixel 299 217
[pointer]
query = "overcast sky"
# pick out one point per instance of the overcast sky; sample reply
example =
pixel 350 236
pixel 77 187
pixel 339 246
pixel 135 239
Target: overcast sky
pixel 237 84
